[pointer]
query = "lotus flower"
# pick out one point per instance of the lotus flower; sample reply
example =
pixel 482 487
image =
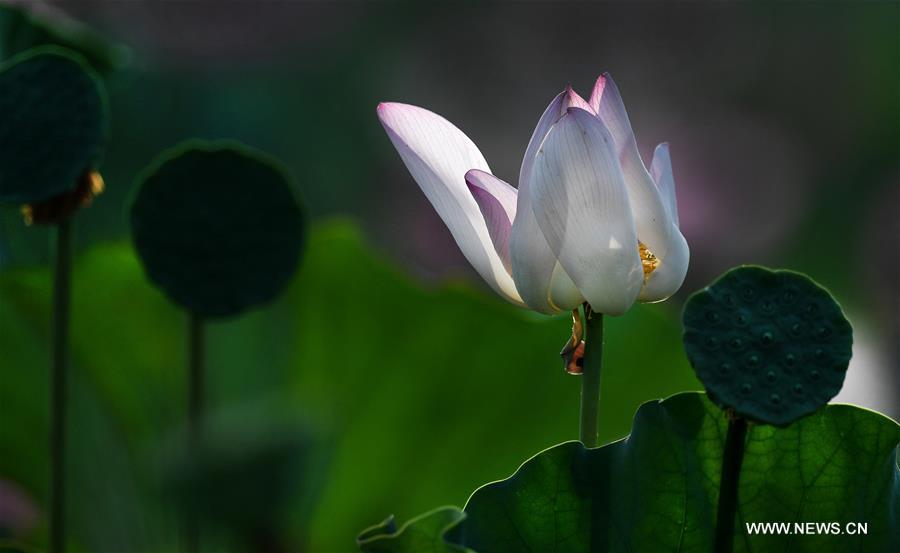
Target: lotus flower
pixel 588 222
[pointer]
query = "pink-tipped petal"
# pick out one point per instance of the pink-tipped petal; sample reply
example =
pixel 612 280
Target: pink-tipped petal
pixel 539 278
pixel 573 100
pixel 612 112
pixel 534 265
pixel 652 220
pixel 438 155
pixel 597 93
pixel 661 171
pixel 497 201
pixel 550 116
pixel 582 206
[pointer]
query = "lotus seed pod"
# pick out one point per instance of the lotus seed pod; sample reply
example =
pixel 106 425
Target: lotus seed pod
pixel 217 227
pixel 53 125
pixel 772 345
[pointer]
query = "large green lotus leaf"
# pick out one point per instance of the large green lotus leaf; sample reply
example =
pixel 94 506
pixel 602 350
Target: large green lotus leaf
pixel 53 123
pixel 423 534
pixel 21 30
pixel 656 490
pixel 406 380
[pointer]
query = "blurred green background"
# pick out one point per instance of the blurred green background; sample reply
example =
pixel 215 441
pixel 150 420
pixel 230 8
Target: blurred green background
pixel 415 384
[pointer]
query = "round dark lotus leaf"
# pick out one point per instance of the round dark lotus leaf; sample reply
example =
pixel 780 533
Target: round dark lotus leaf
pixel 217 227
pixel 53 118
pixel 772 345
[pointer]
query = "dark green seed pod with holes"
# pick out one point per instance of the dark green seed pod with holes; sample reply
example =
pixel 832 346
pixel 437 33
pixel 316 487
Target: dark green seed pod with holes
pixel 53 122
pixel 772 345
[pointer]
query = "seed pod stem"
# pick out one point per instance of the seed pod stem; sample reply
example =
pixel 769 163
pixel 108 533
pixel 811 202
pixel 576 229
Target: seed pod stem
pixel 62 270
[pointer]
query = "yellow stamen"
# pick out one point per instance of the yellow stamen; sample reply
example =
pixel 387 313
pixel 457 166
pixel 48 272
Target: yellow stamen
pixel 97 184
pixel 63 205
pixel 649 261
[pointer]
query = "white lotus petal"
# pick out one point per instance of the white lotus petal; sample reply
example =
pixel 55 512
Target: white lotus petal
pixel 669 275
pixel 549 118
pixel 582 206
pixel 611 111
pixel 438 155
pixel 563 293
pixel 597 93
pixel 497 201
pixel 661 171
pixel 651 218
pixel 533 262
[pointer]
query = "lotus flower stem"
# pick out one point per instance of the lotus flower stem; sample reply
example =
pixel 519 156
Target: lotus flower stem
pixel 728 483
pixel 196 357
pixel 62 272
pixel 590 378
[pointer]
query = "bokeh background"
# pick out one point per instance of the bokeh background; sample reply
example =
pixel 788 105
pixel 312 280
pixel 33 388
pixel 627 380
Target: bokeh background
pixel 411 382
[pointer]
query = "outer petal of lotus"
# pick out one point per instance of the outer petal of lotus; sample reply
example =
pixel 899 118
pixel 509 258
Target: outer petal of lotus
pixel 497 201
pixel 539 278
pixel 652 219
pixel 580 201
pixel 438 155
pixel 661 172
pixel 669 274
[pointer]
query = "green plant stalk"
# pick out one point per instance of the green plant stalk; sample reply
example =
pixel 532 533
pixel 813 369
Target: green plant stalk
pixel 732 459
pixel 196 361
pixel 590 377
pixel 62 276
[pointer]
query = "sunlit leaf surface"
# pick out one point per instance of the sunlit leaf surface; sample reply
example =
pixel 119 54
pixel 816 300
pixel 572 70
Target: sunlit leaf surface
pixel 657 489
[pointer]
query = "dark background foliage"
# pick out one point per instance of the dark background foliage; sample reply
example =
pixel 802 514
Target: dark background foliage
pixel 783 125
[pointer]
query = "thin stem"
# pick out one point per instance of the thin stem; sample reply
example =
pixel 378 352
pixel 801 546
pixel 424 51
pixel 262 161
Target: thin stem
pixel 195 374
pixel 196 343
pixel 590 378
pixel 62 272
pixel 728 484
